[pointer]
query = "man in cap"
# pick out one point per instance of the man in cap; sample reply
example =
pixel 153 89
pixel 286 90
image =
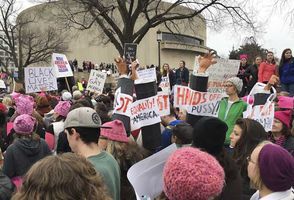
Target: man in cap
pixel 82 127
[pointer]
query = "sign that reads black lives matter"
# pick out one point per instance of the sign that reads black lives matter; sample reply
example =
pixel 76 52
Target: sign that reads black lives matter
pixel 40 79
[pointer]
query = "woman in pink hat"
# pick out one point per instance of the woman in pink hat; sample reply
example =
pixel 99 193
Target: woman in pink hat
pixel 26 149
pixel 126 153
pixel 280 133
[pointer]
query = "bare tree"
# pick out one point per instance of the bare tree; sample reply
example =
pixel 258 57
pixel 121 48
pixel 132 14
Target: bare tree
pixel 23 45
pixel 128 21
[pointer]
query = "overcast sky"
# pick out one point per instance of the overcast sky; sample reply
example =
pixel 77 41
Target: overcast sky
pixel 277 33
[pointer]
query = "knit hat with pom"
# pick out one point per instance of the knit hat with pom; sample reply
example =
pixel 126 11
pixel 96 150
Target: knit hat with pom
pixel 191 174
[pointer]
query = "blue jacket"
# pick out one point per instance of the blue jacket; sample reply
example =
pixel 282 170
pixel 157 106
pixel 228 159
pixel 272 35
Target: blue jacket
pixel 286 72
pixel 167 134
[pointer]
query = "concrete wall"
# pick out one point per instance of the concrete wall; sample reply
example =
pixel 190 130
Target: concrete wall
pixel 85 45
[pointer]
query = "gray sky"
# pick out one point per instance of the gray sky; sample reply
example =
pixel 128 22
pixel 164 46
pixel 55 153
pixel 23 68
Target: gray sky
pixel 276 34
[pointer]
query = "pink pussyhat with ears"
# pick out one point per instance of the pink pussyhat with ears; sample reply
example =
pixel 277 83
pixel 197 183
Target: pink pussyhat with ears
pixel 243 56
pixel 116 133
pixel 24 104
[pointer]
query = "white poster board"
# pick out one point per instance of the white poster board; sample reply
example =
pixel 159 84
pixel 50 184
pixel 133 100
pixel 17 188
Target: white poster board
pixel 195 102
pixel 146 175
pixel 2 84
pixel 96 81
pixel 61 65
pixel 144 112
pixel 147 74
pixel 165 85
pixel 219 72
pixel 39 79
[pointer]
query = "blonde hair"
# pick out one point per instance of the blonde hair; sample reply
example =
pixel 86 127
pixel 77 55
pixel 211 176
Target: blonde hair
pixel 256 182
pixel 7 101
pixel 67 176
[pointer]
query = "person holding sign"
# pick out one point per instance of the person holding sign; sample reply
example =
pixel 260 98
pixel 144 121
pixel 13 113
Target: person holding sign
pixel 280 133
pixel 167 72
pixel 231 108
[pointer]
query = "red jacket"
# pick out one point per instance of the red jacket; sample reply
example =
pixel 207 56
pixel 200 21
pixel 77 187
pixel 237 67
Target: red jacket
pixel 265 71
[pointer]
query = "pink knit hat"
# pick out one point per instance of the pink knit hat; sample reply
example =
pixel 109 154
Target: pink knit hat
pixel 24 104
pixel 62 108
pixel 117 131
pixel 284 117
pixel 24 124
pixel 286 102
pixel 243 56
pixel 191 174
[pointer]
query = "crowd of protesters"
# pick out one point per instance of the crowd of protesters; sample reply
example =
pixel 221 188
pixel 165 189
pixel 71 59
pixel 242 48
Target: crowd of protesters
pixel 70 145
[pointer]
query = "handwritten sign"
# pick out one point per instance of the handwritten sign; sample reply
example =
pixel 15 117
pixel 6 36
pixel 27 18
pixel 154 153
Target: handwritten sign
pixel 163 103
pixel 195 102
pixel 61 65
pixel 144 112
pixel 130 51
pixel 147 74
pixel 164 84
pixel 40 79
pixel 122 103
pixel 96 81
pixel 264 114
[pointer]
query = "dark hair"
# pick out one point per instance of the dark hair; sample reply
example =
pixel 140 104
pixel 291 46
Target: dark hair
pixel 285 130
pixel 87 135
pixel 273 61
pixel 86 102
pixel 3 117
pixel 102 111
pixel 184 132
pixel 183 62
pixel 252 134
pixel 282 61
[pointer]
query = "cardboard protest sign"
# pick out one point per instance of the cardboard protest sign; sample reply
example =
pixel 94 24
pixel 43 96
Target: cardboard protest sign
pixel 195 102
pixel 219 72
pixel 2 84
pixel 130 52
pixel 148 183
pixel 96 81
pixel 122 103
pixel 39 79
pixel 147 74
pixel 164 84
pixel 61 65
pixel 144 112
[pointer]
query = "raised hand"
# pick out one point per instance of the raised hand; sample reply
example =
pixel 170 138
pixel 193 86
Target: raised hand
pixel 121 66
pixel 206 61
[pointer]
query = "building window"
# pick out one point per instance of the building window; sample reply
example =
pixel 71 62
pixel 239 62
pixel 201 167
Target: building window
pixel 181 39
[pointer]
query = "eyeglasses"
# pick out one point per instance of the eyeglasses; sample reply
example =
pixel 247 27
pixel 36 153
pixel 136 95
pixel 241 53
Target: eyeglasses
pixel 250 160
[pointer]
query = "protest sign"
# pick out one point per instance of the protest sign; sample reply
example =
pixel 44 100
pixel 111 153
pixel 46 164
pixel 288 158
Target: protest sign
pixel 130 52
pixel 122 103
pixel 148 183
pixel 39 79
pixel 264 114
pixel 219 72
pixel 144 112
pixel 147 74
pixel 2 84
pixel 195 102
pixel 163 103
pixel 96 81
pixel 61 65
pixel 164 84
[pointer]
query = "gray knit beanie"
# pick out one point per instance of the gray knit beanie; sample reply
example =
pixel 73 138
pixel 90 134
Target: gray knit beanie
pixel 238 83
